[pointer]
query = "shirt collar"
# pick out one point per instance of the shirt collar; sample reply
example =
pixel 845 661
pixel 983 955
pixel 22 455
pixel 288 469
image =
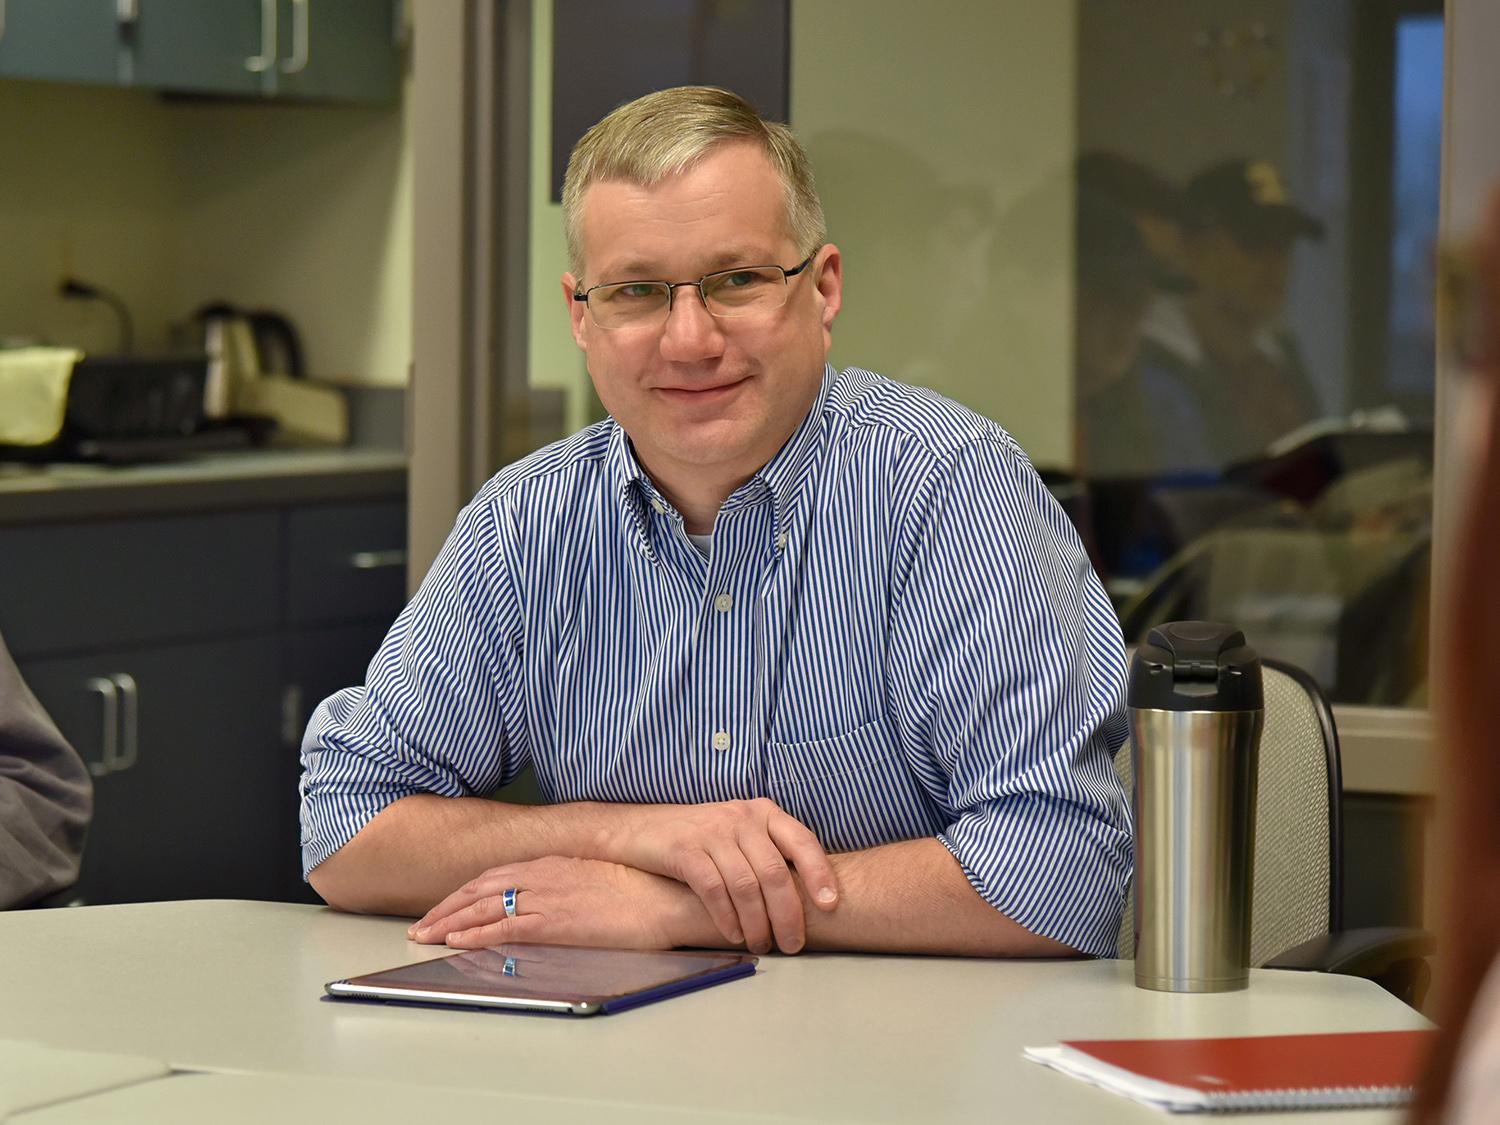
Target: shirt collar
pixel 784 474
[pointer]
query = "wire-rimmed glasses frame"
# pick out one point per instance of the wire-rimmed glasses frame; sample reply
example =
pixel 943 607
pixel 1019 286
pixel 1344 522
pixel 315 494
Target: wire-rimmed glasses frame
pixel 621 304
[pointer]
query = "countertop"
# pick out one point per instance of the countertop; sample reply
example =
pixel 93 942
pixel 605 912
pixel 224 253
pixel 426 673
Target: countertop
pixel 203 481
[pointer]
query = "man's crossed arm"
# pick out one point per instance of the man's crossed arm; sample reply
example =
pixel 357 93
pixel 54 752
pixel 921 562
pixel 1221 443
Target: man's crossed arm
pixel 741 873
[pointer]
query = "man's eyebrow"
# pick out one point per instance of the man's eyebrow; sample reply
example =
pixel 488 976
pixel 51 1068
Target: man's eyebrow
pixel 640 269
pixel 741 256
pixel 634 269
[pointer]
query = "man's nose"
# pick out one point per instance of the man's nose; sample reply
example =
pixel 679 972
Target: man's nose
pixel 691 331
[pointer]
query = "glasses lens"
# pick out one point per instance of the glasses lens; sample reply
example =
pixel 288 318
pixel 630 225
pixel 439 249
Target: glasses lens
pixel 743 291
pixel 630 302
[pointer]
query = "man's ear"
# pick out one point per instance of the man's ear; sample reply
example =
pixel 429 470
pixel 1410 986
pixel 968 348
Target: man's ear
pixel 828 276
pixel 576 310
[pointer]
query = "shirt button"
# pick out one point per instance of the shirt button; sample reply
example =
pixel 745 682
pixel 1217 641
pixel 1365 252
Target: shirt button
pixel 781 541
pixel 661 509
pixel 723 603
pixel 721 740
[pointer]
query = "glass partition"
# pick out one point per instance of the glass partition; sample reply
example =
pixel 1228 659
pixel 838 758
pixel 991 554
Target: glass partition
pixel 1182 251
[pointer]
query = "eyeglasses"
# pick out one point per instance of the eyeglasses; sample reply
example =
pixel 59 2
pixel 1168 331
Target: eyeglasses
pixel 742 291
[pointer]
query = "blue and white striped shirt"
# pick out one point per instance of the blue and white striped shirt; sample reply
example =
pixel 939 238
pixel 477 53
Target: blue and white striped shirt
pixel 896 635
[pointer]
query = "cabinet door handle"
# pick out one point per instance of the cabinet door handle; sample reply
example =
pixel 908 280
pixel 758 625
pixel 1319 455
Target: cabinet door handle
pixel 109 691
pixel 129 725
pixel 377 560
pixel 267 57
pixel 301 44
pixel 292 719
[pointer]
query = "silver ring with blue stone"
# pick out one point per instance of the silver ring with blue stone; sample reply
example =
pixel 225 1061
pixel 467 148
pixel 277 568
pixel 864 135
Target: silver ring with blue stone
pixel 509 899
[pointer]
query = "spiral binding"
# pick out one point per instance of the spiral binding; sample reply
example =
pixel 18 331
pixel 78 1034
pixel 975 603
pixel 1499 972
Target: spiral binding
pixel 1325 1097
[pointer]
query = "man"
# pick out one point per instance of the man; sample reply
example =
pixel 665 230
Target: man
pixel 1155 204
pixel 801 658
pixel 1222 348
pixel 1123 430
pixel 1118 278
pixel 45 797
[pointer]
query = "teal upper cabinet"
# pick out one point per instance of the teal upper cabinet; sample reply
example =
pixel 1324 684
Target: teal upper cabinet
pixel 62 40
pixel 339 50
pixel 323 50
pixel 207 46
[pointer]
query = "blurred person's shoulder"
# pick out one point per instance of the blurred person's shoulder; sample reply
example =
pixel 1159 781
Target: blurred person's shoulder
pixel 1474 1096
pixel 1168 334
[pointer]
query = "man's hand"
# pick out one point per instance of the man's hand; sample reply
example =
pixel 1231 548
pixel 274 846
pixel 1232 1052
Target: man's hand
pixel 734 855
pixel 564 901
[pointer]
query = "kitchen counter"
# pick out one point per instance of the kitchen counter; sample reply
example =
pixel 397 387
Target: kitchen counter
pixel 200 482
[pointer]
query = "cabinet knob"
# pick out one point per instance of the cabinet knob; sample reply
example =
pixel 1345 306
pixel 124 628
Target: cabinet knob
pixel 292 719
pixel 120 735
pixel 259 64
pixel 301 44
pixel 109 740
pixel 129 722
pixel 377 560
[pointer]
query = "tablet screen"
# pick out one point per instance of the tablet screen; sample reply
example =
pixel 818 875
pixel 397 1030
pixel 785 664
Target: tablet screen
pixel 553 972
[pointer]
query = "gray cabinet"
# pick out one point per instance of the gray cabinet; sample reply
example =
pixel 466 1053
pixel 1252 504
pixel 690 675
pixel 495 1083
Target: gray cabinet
pixel 61 40
pixel 338 50
pixel 206 46
pixel 187 796
pixel 324 50
pixel 316 662
pixel 182 655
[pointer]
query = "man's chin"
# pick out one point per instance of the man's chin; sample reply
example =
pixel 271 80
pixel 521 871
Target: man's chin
pixel 714 447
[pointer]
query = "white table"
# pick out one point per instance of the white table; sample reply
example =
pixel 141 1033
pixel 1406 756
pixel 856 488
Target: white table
pixel 232 988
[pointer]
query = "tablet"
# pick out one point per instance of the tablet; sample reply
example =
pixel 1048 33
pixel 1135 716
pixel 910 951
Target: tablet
pixel 561 979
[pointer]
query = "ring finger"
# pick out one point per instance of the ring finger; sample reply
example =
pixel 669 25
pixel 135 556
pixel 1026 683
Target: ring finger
pixel 487 909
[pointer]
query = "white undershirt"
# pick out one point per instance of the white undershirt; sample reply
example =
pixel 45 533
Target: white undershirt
pixel 704 543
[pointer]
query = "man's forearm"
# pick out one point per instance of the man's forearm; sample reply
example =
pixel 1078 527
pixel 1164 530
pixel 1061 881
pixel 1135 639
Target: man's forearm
pixel 736 856
pixel 418 849
pixel 908 897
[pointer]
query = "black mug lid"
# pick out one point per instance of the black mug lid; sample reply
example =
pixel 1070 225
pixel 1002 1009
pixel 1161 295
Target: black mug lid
pixel 1195 666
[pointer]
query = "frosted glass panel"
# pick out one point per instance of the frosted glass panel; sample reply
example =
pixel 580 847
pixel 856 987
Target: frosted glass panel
pixel 928 126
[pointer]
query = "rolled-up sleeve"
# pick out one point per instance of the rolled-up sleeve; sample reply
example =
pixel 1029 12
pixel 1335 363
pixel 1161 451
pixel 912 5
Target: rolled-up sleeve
pixel 1008 684
pixel 46 796
pixel 440 708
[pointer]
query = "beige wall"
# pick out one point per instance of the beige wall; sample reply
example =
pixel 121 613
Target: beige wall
pixel 926 124
pixel 307 210
pixel 88 188
pixel 303 209
pixel 555 363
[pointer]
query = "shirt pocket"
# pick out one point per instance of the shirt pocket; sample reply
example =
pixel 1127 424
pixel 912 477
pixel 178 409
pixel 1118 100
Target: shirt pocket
pixel 853 790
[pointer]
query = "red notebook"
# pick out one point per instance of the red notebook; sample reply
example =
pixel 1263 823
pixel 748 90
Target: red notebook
pixel 1348 1069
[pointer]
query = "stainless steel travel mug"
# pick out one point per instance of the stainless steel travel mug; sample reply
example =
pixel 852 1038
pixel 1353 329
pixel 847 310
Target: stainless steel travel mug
pixel 1196 710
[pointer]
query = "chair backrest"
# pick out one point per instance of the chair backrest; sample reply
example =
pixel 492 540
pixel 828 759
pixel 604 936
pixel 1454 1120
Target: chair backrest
pixel 1296 891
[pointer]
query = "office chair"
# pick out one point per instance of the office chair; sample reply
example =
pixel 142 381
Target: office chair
pixel 1337 601
pixel 1296 904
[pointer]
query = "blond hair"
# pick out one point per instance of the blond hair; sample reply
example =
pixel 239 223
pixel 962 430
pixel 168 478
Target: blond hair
pixel 661 134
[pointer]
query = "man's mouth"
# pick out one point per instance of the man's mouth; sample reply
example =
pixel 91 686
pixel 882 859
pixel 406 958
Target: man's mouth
pixel 705 394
